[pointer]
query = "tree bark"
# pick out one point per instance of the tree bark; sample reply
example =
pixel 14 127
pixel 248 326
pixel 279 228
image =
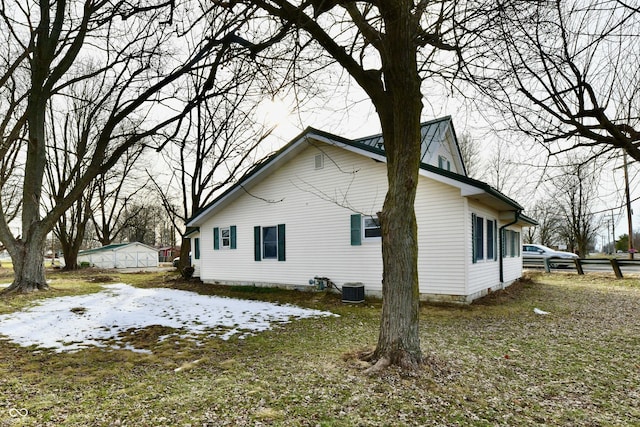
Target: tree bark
pixel 395 91
pixel 185 257
pixel 28 253
pixel 28 265
pixel 399 340
pixel 122 97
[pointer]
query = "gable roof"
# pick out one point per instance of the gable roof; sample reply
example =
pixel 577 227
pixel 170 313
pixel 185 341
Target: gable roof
pixel 431 132
pixel 373 147
pixel 115 247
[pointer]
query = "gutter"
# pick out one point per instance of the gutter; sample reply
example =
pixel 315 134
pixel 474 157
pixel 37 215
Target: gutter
pixel 502 245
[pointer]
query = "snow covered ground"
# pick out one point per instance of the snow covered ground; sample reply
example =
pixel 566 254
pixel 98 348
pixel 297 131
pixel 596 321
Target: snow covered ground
pixel 76 322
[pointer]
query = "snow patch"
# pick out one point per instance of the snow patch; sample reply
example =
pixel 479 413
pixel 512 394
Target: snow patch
pixel 76 322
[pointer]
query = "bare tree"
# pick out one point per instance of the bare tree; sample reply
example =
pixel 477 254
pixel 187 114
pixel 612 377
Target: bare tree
pixel 217 145
pixel 576 194
pixel 566 70
pixel 503 172
pixel 113 195
pixel 146 225
pixel 127 51
pixel 69 138
pixel 388 48
pixel 547 214
pixel 471 155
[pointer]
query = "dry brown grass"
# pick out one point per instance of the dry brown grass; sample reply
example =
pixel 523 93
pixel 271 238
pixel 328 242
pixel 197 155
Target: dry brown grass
pixel 494 363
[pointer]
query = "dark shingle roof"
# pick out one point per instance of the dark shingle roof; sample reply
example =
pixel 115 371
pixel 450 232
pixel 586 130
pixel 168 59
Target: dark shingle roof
pixel 431 132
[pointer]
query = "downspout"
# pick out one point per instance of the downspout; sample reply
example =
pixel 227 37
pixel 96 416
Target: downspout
pixel 517 216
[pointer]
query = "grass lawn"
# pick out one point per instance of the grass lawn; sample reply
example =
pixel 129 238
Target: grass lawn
pixel 492 363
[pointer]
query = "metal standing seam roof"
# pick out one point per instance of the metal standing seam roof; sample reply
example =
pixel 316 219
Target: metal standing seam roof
pixel 430 131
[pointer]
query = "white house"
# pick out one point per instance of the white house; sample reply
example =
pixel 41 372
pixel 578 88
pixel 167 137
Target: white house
pixel 120 255
pixel 309 211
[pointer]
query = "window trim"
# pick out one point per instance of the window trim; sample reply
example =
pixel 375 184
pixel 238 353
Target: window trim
pixel 444 163
pixel 511 244
pixel 222 238
pixel 258 242
pixel 365 228
pixel 477 237
pixel 484 246
pixel 492 241
pixel 218 239
pixel 196 249
pixel 264 242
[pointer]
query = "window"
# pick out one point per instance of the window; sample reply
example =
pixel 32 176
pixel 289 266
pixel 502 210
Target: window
pixel 477 232
pixel 484 238
pixel 224 238
pixel 510 244
pixel 491 239
pixel 443 163
pixel 371 226
pixel 319 161
pixel 269 242
pixel 196 243
pixel 364 227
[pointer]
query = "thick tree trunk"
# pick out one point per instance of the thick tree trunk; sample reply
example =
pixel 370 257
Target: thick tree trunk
pixel 28 266
pixel 399 340
pixel 70 252
pixel 185 255
pixel 27 253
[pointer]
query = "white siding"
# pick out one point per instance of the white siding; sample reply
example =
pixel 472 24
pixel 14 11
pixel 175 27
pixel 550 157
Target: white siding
pixel 447 151
pixel 512 266
pixel 485 273
pixel 316 207
pixel 441 237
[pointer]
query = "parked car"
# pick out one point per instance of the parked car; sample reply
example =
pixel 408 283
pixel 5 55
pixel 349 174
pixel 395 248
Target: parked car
pixel 176 260
pixel 533 252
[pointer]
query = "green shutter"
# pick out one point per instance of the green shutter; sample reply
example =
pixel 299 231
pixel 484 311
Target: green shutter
pixel 356 230
pixel 216 238
pixel 197 247
pixel 474 256
pixel 257 253
pixel 281 243
pixel 232 232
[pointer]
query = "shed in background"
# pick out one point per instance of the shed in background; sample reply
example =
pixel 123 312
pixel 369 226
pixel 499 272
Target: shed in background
pixel 120 255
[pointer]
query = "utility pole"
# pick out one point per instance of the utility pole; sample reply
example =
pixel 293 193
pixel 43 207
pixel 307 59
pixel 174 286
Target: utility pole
pixel 629 212
pixel 613 233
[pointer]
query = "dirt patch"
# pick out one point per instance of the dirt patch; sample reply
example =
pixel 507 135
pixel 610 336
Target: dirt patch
pixel 508 294
pixel 145 338
pixel 101 279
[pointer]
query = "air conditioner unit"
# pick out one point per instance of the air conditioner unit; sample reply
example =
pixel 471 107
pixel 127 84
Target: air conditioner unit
pixel 353 292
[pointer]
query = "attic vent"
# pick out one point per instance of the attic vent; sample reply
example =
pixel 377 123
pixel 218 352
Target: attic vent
pixel 319 161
